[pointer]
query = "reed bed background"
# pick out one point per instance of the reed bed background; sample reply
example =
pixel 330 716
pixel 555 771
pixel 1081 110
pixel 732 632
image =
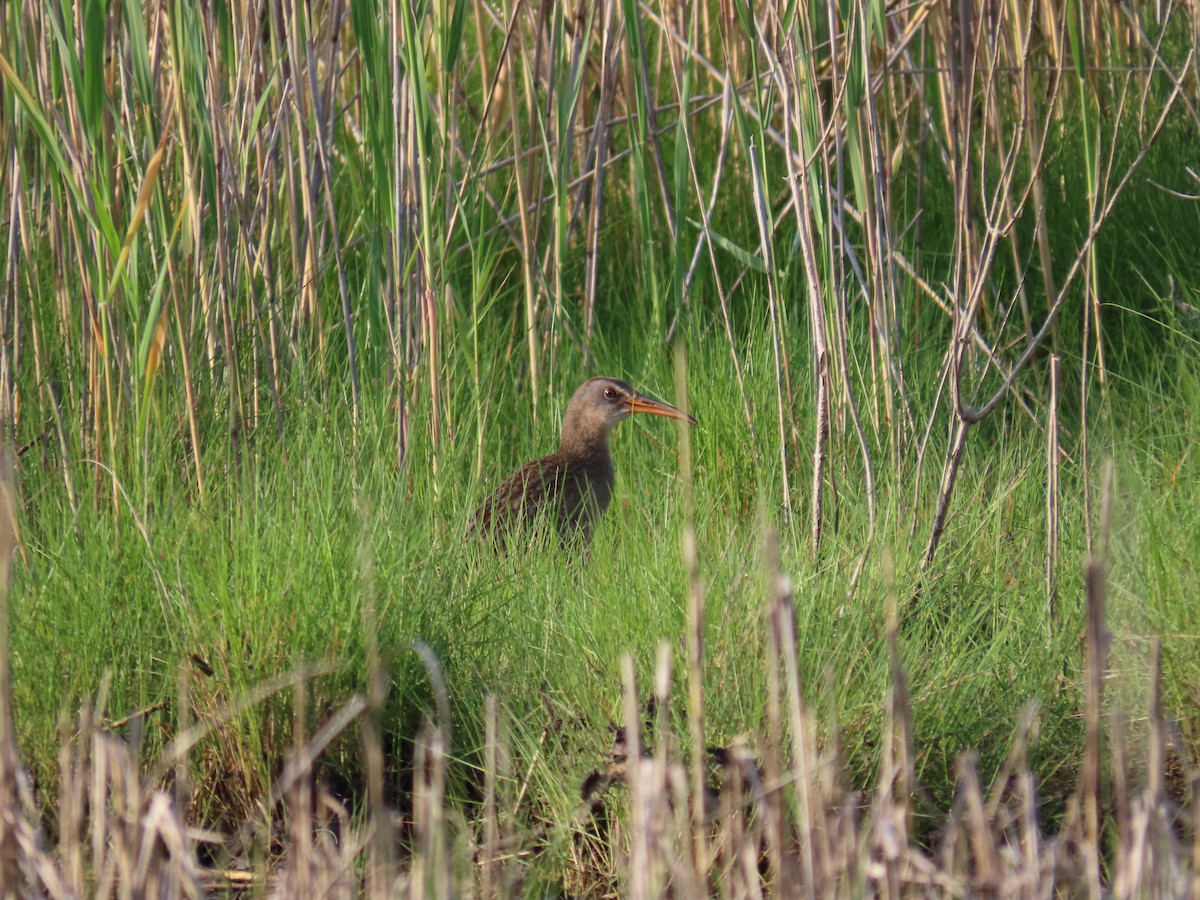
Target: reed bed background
pixel 289 285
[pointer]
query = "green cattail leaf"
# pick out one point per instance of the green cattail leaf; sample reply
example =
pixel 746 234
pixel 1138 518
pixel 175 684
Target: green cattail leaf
pixel 856 153
pixel 413 53
pixel 46 134
pixel 453 41
pixel 154 316
pixel 745 12
pixel 1075 35
pixel 92 106
pixel 268 93
pixel 745 257
pixel 787 20
pixel 364 16
pixel 376 93
pixel 875 17
pixel 139 51
pixel 103 220
pixel 856 78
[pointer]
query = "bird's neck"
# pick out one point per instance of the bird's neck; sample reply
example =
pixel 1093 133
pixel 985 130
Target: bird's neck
pixel 584 444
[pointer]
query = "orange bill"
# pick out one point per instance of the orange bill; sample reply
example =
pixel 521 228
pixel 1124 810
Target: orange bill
pixel 643 404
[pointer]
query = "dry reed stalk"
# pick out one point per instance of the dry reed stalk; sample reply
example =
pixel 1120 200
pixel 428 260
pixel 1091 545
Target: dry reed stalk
pixel 950 466
pixel 641 878
pixel 772 753
pixel 9 393
pixel 22 226
pixel 380 847
pixel 183 771
pixel 1091 799
pixel 1052 527
pixel 308 253
pixel 343 286
pixel 400 306
pixel 565 214
pixel 783 396
pixel 876 210
pixel 299 799
pixel 526 248
pixel 491 823
pixel 803 747
pixel 836 204
pixel 633 33
pixel 989 354
pixel 800 104
pixel 18 831
pixel 704 240
pixel 189 391
pixel 892 810
pixel 1017 48
pixel 611 43
pixel 695 628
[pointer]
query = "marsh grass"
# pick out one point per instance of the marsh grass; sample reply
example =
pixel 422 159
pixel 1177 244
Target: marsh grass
pixel 784 806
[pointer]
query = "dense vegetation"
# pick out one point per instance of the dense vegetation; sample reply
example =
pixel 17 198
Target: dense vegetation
pixel 289 287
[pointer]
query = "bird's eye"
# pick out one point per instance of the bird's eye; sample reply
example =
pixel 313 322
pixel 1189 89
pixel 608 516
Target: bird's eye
pixel 610 394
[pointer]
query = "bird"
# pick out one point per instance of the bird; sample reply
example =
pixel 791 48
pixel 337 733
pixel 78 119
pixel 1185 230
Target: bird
pixel 574 485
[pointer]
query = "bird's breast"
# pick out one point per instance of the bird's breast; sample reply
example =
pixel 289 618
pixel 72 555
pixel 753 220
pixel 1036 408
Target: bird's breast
pixel 589 494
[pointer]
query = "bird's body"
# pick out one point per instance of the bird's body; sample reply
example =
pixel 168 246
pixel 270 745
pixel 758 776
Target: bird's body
pixel 572 492
pixel 573 486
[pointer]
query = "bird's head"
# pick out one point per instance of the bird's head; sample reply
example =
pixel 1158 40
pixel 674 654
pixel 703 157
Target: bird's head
pixel 601 403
